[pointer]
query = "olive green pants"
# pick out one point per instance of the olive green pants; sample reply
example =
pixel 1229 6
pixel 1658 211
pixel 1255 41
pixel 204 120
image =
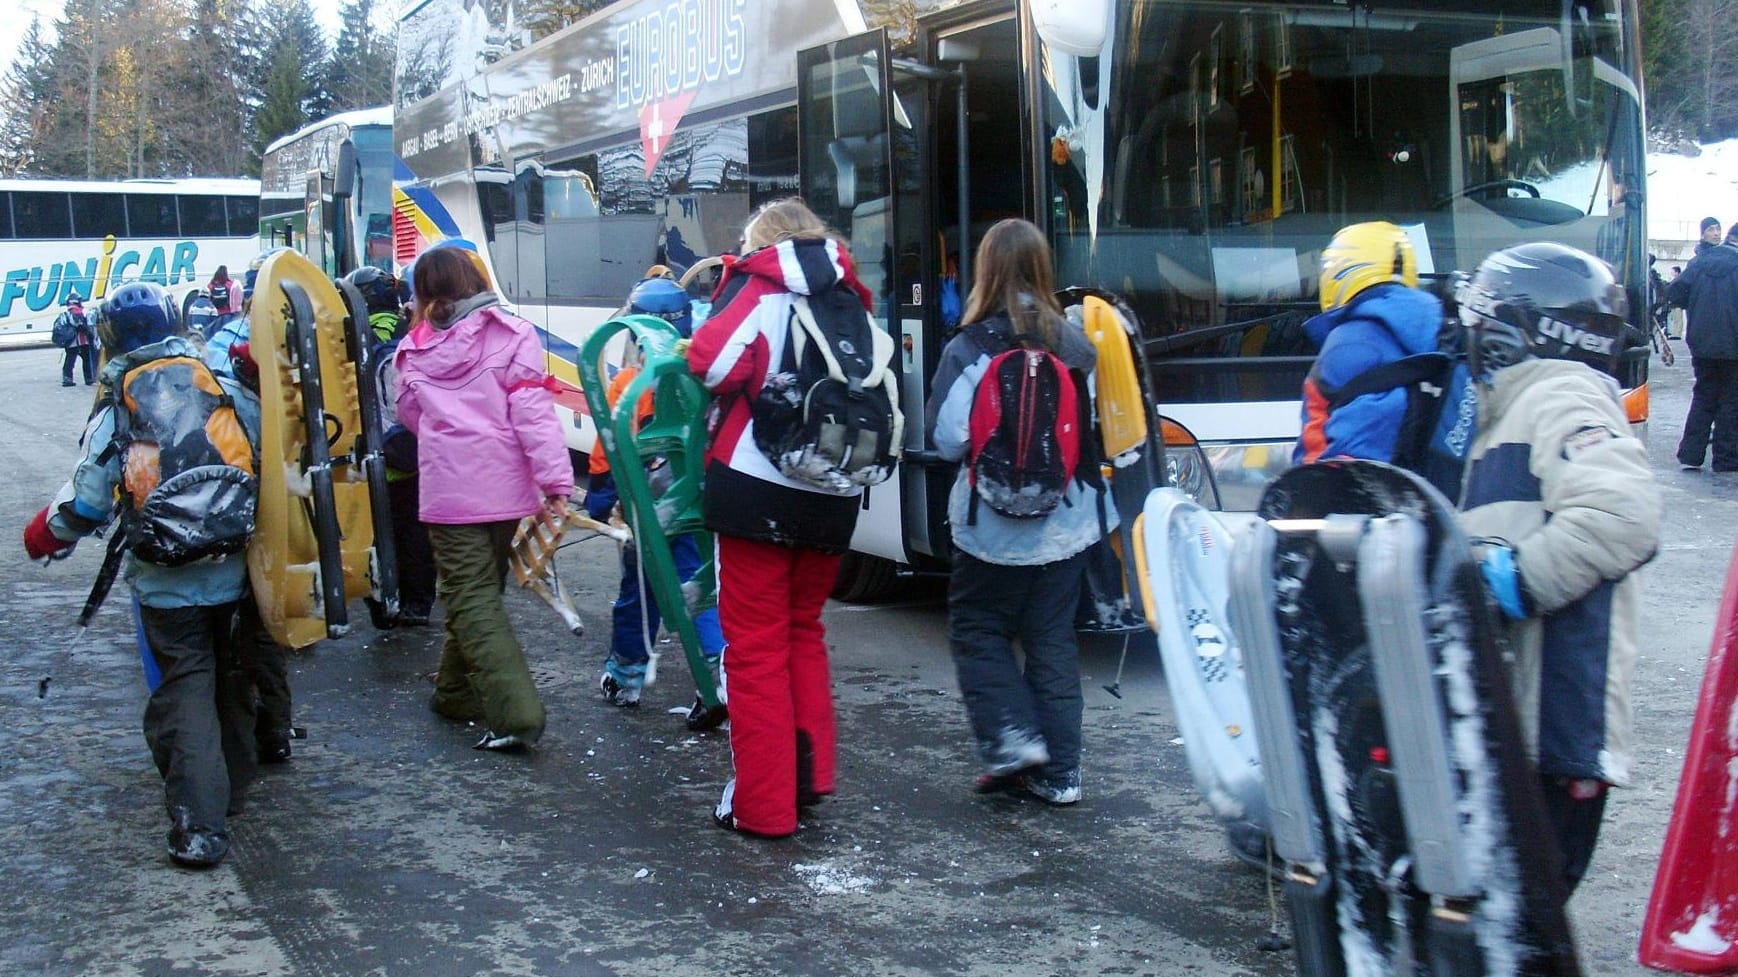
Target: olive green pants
pixel 483 674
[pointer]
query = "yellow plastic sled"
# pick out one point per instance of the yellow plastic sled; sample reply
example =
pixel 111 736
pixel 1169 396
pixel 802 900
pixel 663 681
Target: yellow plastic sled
pixel 312 547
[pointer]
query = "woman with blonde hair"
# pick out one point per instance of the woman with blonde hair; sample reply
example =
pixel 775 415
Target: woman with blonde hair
pixel 1016 577
pixel 779 539
pixel 473 391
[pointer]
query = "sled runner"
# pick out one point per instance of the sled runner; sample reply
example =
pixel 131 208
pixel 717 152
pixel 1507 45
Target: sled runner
pixel 368 453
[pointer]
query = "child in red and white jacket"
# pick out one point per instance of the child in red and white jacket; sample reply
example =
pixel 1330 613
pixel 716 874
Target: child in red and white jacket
pixel 779 540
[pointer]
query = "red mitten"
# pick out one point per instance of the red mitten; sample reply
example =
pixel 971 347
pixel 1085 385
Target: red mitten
pixel 38 541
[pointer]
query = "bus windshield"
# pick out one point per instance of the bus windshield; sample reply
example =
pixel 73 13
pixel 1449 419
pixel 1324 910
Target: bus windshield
pixel 1207 157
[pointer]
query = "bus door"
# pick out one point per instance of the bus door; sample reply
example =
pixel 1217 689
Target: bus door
pixel 863 140
pixel 913 160
pixel 315 204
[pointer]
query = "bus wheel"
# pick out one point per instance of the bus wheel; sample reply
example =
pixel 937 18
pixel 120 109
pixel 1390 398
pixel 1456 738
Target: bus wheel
pixel 866 579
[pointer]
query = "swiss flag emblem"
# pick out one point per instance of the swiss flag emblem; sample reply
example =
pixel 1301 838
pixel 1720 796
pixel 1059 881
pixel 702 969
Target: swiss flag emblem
pixel 658 121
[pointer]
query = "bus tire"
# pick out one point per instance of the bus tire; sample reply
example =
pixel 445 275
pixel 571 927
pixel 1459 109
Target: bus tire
pixel 866 579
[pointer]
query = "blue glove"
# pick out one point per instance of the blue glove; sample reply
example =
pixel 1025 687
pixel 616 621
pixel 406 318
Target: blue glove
pixel 601 497
pixel 1503 579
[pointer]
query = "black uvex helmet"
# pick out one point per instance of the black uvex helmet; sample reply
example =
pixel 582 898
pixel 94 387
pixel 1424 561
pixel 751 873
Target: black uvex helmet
pixel 1543 300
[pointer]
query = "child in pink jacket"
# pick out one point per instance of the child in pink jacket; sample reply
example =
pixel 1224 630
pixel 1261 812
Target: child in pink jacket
pixel 472 389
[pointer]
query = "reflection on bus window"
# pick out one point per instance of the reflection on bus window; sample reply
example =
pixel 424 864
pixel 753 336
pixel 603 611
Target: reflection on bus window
pixel 1234 142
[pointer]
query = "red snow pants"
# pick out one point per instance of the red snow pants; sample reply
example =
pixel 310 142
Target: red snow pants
pixel 775 667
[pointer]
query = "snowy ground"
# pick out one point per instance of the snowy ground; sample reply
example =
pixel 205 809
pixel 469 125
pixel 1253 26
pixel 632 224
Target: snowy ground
pixel 1681 190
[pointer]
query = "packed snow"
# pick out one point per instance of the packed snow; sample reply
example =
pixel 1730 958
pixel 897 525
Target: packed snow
pixel 1681 190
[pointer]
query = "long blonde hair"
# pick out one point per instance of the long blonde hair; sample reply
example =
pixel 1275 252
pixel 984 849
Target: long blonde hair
pixel 1012 275
pixel 783 220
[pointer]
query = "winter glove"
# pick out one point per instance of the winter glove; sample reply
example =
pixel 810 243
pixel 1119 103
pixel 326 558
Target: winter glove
pixel 600 499
pixel 1503 579
pixel 681 347
pixel 42 544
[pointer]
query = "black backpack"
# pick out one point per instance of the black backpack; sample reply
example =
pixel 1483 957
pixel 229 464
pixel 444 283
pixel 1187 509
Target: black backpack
pixel 830 415
pixel 1427 379
pixel 66 329
pixel 220 296
pixel 1026 429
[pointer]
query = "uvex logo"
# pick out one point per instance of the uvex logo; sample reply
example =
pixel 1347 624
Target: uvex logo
pixel 1574 335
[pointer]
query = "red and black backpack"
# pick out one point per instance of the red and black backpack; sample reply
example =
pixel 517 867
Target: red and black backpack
pixel 1027 421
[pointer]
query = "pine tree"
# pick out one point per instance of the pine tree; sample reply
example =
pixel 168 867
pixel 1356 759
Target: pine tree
pixel 25 94
pixel 290 92
pixel 205 122
pixel 359 73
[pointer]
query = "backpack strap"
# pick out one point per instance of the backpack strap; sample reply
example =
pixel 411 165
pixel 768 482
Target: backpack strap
pixel 805 317
pixel 123 424
pixel 881 355
pixel 1419 368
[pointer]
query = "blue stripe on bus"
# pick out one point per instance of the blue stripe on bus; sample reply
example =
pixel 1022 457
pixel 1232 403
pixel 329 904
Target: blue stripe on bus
pixel 557 346
pixel 433 209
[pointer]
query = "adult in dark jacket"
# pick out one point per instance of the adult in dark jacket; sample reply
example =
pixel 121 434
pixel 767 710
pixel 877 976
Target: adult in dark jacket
pixel 1709 235
pixel 1708 291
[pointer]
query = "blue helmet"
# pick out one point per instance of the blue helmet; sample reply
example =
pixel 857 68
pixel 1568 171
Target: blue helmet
pixel 136 315
pixel 665 299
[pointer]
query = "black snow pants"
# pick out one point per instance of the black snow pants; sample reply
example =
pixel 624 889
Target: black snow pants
pixel 416 559
pixel 1575 821
pixel 199 723
pixel 1713 405
pixel 989 606
pixel 268 668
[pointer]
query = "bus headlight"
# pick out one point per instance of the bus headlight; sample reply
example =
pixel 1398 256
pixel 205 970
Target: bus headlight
pixel 1186 466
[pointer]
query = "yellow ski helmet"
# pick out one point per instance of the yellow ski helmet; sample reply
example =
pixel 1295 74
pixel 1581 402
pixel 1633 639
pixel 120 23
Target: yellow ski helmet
pixel 1362 255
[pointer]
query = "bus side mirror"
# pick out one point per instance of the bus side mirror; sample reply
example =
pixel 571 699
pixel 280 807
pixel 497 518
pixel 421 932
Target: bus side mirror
pixel 345 173
pixel 1077 27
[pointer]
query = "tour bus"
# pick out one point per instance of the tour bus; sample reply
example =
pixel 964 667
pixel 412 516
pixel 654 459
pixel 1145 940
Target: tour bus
pixel 1191 156
pixel 326 191
pixel 60 238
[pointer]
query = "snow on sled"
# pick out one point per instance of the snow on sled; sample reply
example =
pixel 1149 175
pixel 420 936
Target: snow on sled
pixel 1398 786
pixel 1183 556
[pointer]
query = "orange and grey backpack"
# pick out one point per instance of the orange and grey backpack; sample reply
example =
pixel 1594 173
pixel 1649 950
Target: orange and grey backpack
pixel 188 483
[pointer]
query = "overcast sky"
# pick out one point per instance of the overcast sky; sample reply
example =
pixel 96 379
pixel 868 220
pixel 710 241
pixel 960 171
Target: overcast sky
pixel 15 18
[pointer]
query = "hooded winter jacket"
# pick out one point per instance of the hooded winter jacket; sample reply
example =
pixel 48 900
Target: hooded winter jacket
pixel 1708 289
pixel 1556 475
pixel 992 537
pixel 489 446
pixel 734 353
pixel 1380 325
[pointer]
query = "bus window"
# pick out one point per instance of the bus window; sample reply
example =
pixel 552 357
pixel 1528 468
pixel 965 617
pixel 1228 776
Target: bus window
pixel 5 216
pixel 41 215
pixel 243 215
pixel 151 215
pixel 202 217
pixel 97 214
pixel 571 221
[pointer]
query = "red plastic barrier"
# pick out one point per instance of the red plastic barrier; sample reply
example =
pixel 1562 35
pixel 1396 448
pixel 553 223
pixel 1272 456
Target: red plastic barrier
pixel 1692 916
